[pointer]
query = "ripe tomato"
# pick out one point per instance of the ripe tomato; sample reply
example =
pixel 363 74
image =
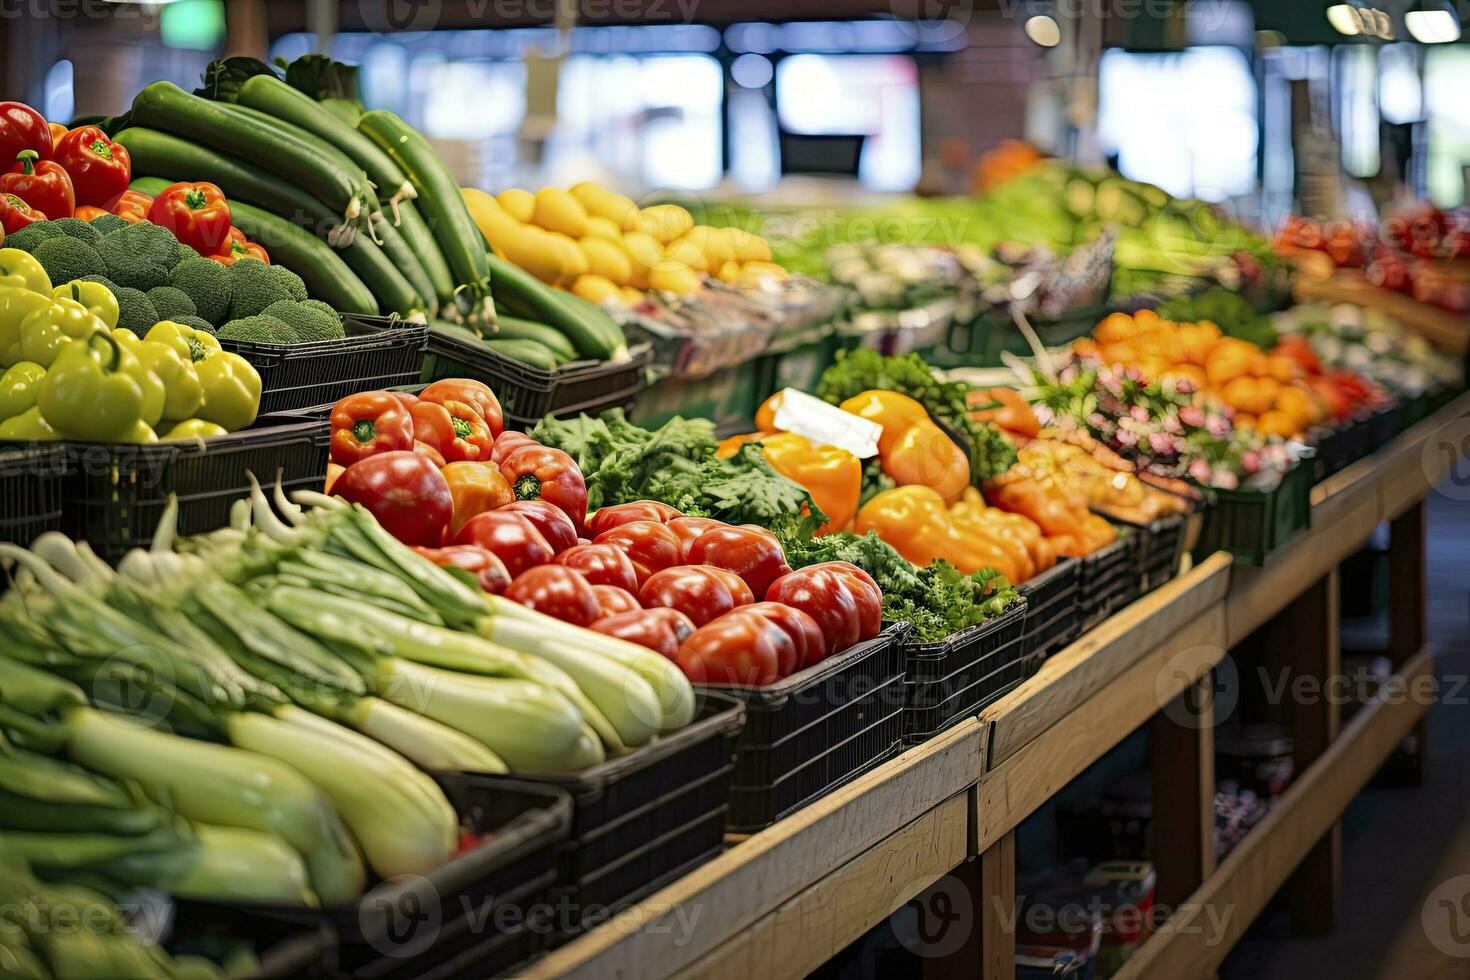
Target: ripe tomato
pixel 607 518
pixel 740 647
pixel 690 529
pixel 482 563
pixel 602 564
pixel 752 553
pixel 810 645
pixel 824 595
pixel 611 601
pixel 557 591
pixel 512 537
pixel 649 545
pixel 661 630
pixel 701 592
pixel 553 523
pixel 404 491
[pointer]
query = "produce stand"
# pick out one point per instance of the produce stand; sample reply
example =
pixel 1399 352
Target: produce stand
pixel 792 896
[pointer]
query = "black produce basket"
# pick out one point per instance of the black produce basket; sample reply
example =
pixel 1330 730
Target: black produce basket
pixel 954 678
pixel 1053 607
pixel 816 730
pixel 1107 581
pixel 378 352
pixel 112 494
pixel 311 953
pixel 1350 443
pixel 1251 524
pixel 646 818
pixel 528 394
pixel 479 915
pixel 30 490
pixel 1160 544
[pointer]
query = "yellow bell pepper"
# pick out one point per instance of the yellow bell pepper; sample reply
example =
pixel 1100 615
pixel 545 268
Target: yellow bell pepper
pixel 189 343
pixel 45 332
pixel 18 387
pixel 21 269
pixel 191 429
pixel 926 456
pixel 17 303
pixel 97 298
pixel 28 426
pixel 895 412
pixel 833 476
pixel 231 389
pixel 915 521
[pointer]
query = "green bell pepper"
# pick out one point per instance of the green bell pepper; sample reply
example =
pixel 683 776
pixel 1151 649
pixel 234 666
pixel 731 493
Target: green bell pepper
pixel 44 333
pixel 155 393
pixel 94 296
pixel 191 344
pixel 194 429
pixel 91 391
pixel 21 269
pixel 28 426
pixel 16 303
pixel 231 390
pixel 18 387
pixel 183 394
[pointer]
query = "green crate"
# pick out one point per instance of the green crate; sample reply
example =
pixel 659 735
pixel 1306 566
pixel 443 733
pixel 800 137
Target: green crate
pixel 728 397
pixel 1251 524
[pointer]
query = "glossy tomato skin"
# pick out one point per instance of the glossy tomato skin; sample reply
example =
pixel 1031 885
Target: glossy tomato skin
pixel 607 518
pixel 823 595
pixel 689 530
pixel 404 491
pixel 512 537
pixel 701 592
pixel 661 630
pixel 739 647
pixel 613 601
pixel 753 554
pixel 482 563
pixel 865 592
pixel 557 591
pixel 649 545
pixel 809 645
pixel 553 523
pixel 542 473
pixel 602 564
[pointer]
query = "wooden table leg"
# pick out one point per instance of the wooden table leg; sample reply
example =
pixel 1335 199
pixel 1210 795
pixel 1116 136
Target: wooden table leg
pixel 998 918
pixel 1408 587
pixel 1182 766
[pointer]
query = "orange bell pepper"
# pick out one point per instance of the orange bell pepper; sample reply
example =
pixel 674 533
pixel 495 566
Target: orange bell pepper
pixel 730 446
pixel 1004 407
pixel 895 412
pixel 1043 503
pixel 475 488
pixel 833 476
pixel 915 521
pixel 765 416
pixel 973 515
pixel 926 456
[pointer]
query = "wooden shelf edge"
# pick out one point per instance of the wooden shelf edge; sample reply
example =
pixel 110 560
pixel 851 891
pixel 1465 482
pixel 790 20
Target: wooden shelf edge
pixel 1195 941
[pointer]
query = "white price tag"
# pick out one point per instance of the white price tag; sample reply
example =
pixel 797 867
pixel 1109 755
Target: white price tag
pixel 826 424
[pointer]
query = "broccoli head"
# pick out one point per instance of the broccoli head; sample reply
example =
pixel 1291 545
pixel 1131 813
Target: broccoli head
pixel 135 310
pixel 258 329
pixel 208 284
pixel 26 239
pixel 183 252
pixel 310 321
pixel 197 324
pixel 65 258
pixel 139 256
pixel 255 288
pixel 78 229
pixel 106 224
pixel 295 287
pixel 172 303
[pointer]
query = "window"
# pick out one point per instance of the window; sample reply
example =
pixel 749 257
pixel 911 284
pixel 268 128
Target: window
pixel 1445 71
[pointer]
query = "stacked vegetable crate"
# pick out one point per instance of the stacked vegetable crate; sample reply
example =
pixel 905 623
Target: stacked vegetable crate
pixel 1252 524
pixel 30 491
pixel 1053 608
pixel 1108 579
pixel 953 678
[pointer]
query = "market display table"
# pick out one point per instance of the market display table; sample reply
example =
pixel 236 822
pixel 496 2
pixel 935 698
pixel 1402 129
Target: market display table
pixel 942 815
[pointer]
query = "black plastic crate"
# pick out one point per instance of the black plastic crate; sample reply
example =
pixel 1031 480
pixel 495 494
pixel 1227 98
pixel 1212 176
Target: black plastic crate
pixel 1158 547
pixel 378 352
pixel 479 915
pixel 644 818
pixel 1252 524
pixel 953 678
pixel 1106 580
pixel 813 731
pixel 1053 607
pixel 30 491
pixel 528 394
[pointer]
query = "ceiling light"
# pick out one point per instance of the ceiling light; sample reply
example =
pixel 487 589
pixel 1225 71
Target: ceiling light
pixel 1432 26
pixel 1345 19
pixel 1044 31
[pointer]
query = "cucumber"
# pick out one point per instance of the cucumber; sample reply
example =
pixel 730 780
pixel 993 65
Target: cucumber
pixel 405 261
pixel 293 154
pixel 270 95
pixel 394 291
pixel 514 328
pixel 416 235
pixel 327 277
pixel 601 320
pixel 441 205
pixel 525 351
pixel 344 109
pixel 590 330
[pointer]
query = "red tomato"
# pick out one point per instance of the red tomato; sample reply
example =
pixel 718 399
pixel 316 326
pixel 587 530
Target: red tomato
pixel 555 526
pixel 474 393
pixel 740 647
pixel 603 564
pixel 649 545
pixel 661 630
pixel 512 537
pixel 543 473
pixel 701 592
pixel 822 594
pixel 689 530
pixel 507 443
pixel 557 591
pixel 482 563
pixel 612 601
pixel 810 646
pixel 607 518
pixel 865 592
pixel 404 491
pixel 753 554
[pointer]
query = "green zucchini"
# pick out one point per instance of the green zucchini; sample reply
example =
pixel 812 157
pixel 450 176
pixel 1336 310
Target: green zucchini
pixel 327 277
pixel 514 328
pixel 403 258
pixel 442 206
pixel 590 330
pixel 295 155
pixel 418 238
pixel 344 109
pixel 601 321
pixel 270 95
pixel 385 280
pixel 525 351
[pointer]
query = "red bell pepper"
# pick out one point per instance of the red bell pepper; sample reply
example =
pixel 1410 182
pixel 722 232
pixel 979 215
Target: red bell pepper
pixel 543 473
pixel 43 184
pixel 649 545
pixel 99 168
pixel 701 592
pixel 824 595
pixel 369 423
pixel 507 443
pixel 809 645
pixel 22 128
pixel 554 525
pixel 404 491
pixel 690 529
pixel 15 214
pixel 603 564
pixel 511 536
pixel 197 215
pixel 661 630
pixel 752 553
pixel 607 518
pixel 482 563
pixel 453 428
pixel 235 248
pixel 427 451
pixel 133 207
pixel 557 591
pixel 612 601
pixel 740 647
pixel 475 394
